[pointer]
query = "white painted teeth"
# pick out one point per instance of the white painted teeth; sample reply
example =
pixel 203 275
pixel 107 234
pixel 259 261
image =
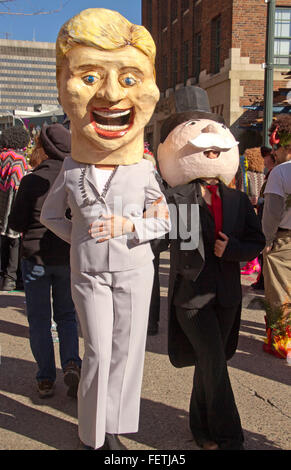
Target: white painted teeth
pixel 112 128
pixel 107 114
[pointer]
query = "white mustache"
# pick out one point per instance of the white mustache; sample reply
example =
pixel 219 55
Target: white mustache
pixel 212 141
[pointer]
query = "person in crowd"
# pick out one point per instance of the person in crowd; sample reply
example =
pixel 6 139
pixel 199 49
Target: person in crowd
pixel 106 82
pixel 253 174
pixel 269 163
pixel 13 167
pixel 45 266
pixel 214 228
pixel 277 254
pixel 252 179
pixel 269 160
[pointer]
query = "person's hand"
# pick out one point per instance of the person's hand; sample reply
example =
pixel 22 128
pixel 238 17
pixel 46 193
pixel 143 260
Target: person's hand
pixel 110 226
pixel 220 244
pixel 254 200
pixel 157 209
pixel 267 249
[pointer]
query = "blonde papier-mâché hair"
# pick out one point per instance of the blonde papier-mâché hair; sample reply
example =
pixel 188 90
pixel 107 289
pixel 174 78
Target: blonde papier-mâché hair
pixel 105 30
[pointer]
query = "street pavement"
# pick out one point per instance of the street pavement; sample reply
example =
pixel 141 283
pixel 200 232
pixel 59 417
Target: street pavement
pixel 261 385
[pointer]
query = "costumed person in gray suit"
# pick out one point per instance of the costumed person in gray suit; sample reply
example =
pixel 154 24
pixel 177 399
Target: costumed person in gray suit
pixel 214 227
pixel 106 83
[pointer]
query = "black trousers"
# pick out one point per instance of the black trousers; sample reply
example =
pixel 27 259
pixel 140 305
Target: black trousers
pixel 213 412
pixel 10 256
pixel 154 314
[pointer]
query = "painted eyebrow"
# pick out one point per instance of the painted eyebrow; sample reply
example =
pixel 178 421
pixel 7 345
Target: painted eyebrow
pixel 86 67
pixel 131 69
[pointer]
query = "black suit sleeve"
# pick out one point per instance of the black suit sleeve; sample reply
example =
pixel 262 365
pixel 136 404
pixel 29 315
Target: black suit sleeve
pixel 246 243
pixel 161 244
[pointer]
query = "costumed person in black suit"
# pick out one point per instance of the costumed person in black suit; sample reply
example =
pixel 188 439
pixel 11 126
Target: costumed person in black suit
pixel 214 228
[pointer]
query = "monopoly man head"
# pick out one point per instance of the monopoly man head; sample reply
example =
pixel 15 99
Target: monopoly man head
pixel 196 144
pixel 106 83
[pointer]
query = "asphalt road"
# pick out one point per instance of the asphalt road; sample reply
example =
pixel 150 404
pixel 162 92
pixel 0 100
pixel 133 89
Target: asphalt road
pixel 261 385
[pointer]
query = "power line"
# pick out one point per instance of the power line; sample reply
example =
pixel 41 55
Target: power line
pixel 39 12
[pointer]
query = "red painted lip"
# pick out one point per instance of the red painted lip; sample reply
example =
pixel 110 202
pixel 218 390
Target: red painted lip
pixel 107 134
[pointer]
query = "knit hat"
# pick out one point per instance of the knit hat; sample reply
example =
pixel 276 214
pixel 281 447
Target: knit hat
pixel 56 141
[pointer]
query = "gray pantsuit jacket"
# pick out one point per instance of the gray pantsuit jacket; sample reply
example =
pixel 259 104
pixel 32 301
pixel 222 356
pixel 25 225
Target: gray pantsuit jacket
pixel 131 190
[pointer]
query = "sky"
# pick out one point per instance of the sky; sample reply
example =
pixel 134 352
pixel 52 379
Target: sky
pixel 45 27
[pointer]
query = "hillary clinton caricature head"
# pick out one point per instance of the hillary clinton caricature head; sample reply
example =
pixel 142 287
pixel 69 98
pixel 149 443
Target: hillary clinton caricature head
pixel 106 83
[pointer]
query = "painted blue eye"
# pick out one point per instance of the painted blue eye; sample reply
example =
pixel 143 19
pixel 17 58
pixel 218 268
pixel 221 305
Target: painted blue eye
pixel 128 81
pixel 90 79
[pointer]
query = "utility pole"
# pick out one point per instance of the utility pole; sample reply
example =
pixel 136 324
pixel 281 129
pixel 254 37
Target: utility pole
pixel 269 71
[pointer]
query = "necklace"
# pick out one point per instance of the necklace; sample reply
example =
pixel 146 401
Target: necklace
pixel 84 187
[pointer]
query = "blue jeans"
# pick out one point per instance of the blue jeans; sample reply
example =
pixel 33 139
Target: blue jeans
pixel 41 284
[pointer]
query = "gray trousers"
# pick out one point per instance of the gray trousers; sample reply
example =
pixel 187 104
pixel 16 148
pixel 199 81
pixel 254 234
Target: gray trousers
pixel 113 313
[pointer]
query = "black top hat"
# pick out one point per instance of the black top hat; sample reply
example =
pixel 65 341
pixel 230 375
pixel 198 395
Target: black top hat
pixel 191 102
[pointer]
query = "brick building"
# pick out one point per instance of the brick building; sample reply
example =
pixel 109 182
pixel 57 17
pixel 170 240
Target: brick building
pixel 218 45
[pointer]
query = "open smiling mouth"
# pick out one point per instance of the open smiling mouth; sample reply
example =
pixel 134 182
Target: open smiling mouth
pixel 112 124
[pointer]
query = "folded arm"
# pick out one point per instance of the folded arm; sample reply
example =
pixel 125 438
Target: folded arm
pixel 154 223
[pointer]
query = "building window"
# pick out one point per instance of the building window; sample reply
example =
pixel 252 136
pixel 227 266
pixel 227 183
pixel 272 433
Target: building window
pixel 31 83
pixel 197 56
pixel 282 39
pixel 32 69
pixel 28 61
pixel 16 104
pixel 185 5
pixel 215 44
pixel 175 67
pixel 28 75
pixel 33 88
pixel 29 97
pixel 174 10
pixel 164 13
pixel 149 14
pixel 185 64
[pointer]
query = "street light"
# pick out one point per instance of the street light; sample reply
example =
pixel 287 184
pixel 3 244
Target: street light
pixel 269 71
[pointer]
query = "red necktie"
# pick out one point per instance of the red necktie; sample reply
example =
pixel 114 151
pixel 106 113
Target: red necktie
pixel 215 208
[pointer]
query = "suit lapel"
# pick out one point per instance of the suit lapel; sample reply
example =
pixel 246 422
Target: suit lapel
pixel 230 206
pixel 89 175
pixel 186 214
pixel 183 194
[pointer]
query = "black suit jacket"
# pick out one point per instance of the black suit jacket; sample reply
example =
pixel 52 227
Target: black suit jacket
pixel 39 245
pixel 197 277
